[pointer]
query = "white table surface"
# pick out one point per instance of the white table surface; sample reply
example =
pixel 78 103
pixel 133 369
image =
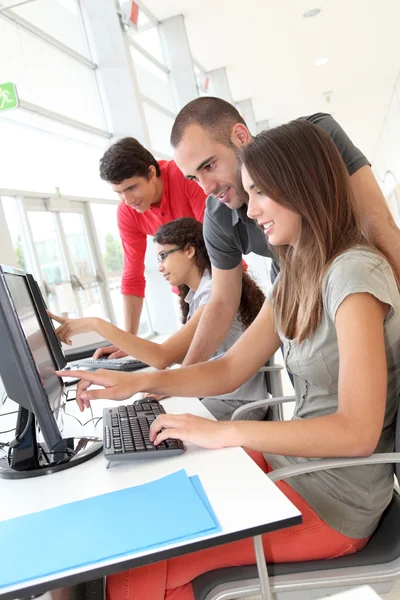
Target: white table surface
pixel 245 501
pixel 364 592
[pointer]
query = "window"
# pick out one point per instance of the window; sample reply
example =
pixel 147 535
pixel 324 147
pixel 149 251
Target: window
pixel 153 81
pixel 159 124
pixel 60 19
pixel 41 155
pixel 46 76
pixel 146 34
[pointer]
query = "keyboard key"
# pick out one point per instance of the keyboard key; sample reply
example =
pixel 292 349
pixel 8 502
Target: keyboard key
pixel 127 432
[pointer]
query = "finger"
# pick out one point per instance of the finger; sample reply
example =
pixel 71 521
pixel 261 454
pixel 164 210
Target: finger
pixel 100 351
pixel 165 434
pixel 117 354
pixel 80 389
pixel 98 377
pixel 111 393
pixel 163 422
pixel 55 317
pixel 62 335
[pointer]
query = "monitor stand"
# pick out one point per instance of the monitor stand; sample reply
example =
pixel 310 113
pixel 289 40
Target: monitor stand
pixel 29 459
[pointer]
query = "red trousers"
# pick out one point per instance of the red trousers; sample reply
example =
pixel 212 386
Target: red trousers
pixel 171 579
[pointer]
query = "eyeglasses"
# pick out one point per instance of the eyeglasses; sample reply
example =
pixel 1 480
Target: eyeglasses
pixel 161 256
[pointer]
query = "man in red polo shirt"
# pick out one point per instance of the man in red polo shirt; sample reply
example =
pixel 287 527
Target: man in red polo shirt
pixel 152 193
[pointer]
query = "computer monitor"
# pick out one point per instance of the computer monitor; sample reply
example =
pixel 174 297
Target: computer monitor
pixel 27 369
pixel 46 322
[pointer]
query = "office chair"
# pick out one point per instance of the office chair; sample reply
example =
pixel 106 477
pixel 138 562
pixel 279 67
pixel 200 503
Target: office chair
pixel 378 564
pixel 274 385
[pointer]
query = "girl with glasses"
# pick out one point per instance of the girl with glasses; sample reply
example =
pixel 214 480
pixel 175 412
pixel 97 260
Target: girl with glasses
pixel 184 262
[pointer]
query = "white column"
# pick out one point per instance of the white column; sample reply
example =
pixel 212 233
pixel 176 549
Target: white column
pixel 177 51
pixel 262 125
pixel 245 107
pixel 115 73
pixel 219 84
pixel 7 254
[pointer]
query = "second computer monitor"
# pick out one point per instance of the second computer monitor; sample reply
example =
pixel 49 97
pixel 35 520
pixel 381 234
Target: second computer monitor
pixel 46 322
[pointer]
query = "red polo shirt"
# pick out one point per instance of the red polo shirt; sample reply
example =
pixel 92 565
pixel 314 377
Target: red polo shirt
pixel 180 198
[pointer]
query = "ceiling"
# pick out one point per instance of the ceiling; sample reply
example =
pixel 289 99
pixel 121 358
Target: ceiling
pixel 269 50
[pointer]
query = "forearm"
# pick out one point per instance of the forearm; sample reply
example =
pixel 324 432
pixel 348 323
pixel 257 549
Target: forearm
pixel 148 352
pixel 329 436
pixel 386 237
pixel 132 310
pixel 212 329
pixel 376 218
pixel 204 379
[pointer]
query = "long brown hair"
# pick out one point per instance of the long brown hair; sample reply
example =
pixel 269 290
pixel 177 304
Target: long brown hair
pixel 189 233
pixel 299 166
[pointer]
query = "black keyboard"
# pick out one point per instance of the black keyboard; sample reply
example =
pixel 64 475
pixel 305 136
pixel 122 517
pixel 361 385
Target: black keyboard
pixel 126 433
pixel 116 364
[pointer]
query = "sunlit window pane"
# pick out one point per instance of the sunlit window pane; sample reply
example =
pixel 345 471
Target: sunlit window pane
pixel 159 125
pixel 50 159
pixel 59 18
pixel 153 82
pixel 48 77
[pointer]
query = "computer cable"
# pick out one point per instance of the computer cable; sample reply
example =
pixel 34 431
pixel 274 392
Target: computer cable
pixel 18 438
pixel 13 412
pixel 93 419
pixel 8 431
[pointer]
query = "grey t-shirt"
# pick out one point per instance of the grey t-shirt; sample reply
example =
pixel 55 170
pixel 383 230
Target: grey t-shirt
pixel 256 387
pixel 351 499
pixel 230 233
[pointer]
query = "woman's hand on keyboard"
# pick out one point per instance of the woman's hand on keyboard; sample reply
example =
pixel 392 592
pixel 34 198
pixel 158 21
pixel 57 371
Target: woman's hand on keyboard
pixel 189 428
pixel 118 385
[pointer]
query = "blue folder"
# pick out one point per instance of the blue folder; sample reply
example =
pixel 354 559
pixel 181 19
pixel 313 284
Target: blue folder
pixel 174 508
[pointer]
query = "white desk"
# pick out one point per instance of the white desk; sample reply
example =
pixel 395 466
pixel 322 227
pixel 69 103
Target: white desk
pixel 245 501
pixel 364 592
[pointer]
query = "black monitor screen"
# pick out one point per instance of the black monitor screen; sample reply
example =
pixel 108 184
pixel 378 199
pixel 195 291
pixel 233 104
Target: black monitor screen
pixel 46 322
pixel 37 343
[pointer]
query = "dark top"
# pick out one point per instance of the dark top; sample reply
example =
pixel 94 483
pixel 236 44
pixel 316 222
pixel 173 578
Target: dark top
pixel 230 233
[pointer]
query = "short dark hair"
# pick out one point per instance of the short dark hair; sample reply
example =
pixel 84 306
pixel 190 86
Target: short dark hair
pixel 213 114
pixel 125 159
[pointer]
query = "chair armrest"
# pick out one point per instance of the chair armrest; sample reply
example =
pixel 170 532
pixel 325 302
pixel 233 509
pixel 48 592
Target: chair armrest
pixel 273 369
pixel 332 463
pixel 239 412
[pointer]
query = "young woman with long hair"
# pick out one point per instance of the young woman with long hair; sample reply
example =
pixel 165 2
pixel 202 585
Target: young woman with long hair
pixel 336 309
pixel 184 262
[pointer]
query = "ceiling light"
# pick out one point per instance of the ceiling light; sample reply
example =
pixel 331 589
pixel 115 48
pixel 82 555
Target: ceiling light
pixel 313 12
pixel 321 61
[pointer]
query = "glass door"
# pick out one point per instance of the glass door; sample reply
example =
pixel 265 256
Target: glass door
pixel 64 249
pixel 73 249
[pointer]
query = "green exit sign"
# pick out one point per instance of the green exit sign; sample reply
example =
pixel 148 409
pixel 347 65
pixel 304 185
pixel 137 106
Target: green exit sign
pixel 8 96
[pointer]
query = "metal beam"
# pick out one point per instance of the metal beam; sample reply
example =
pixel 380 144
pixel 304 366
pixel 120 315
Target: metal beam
pixel 64 119
pixel 147 55
pixel 18 3
pixel 157 106
pixel 10 16
pixel 54 197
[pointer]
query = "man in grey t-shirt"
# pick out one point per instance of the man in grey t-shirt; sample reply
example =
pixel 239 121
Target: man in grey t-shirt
pixel 206 136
